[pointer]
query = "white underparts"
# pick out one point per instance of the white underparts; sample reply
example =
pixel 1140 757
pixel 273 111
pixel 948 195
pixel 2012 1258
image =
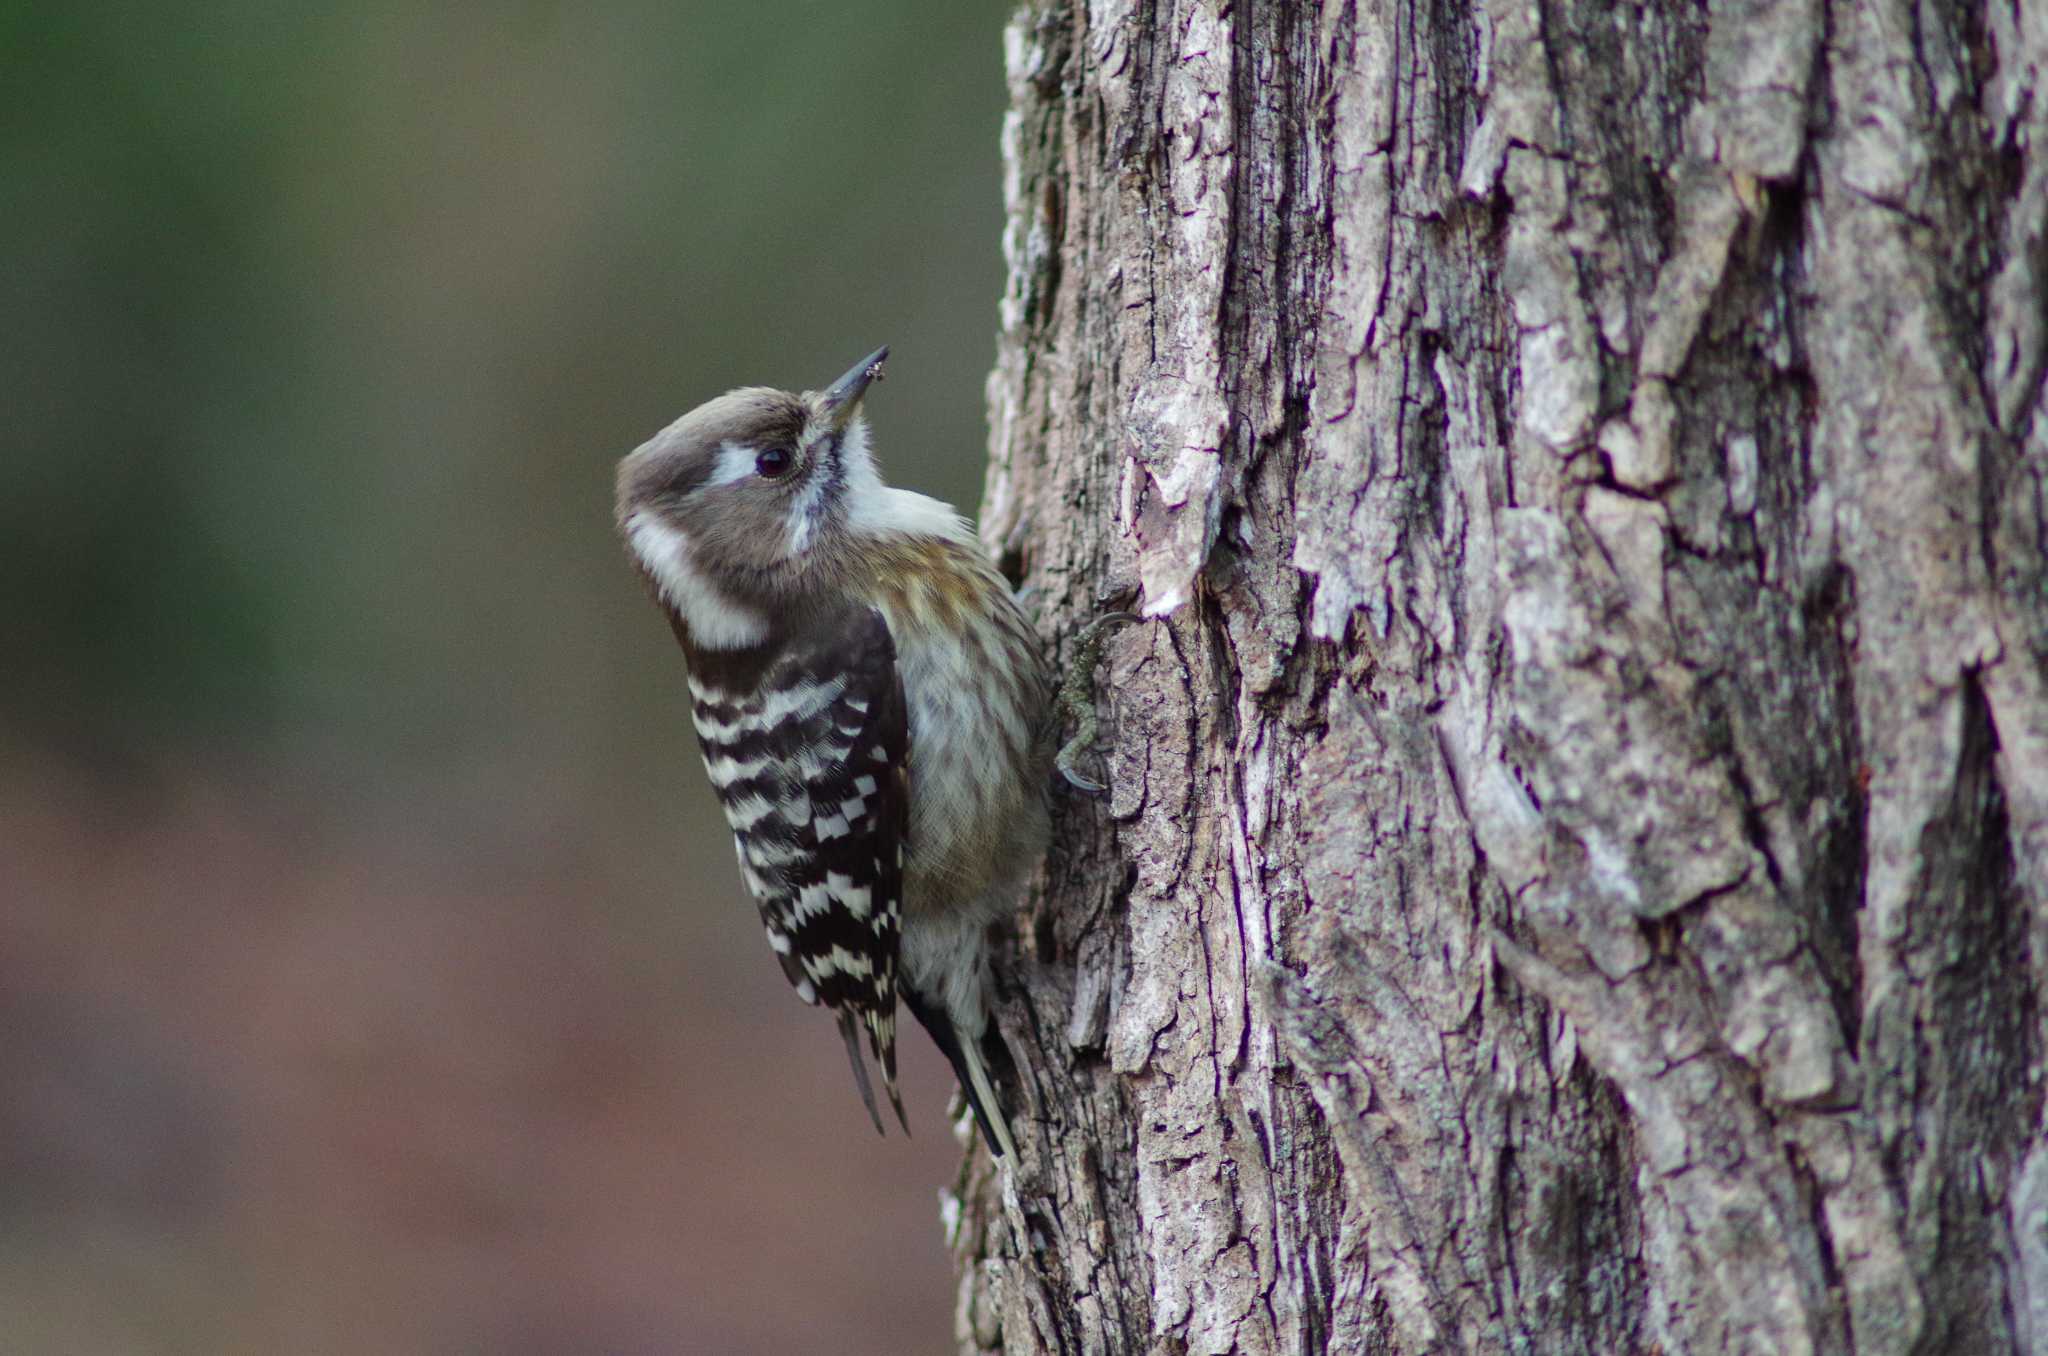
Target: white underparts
pixel 716 620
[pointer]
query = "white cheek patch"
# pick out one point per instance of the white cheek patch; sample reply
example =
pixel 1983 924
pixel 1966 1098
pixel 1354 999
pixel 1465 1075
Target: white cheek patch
pixel 715 620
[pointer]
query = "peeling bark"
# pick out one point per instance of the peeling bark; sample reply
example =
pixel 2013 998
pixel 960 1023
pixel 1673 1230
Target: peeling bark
pixel 1576 863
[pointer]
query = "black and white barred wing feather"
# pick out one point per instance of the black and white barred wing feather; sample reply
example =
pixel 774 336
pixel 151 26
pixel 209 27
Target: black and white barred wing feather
pixel 810 765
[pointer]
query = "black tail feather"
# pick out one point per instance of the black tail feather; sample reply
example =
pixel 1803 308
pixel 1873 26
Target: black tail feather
pixel 935 1021
pixel 851 1031
pixel 885 1055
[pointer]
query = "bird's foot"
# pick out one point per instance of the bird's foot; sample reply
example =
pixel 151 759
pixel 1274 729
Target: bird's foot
pixel 1077 699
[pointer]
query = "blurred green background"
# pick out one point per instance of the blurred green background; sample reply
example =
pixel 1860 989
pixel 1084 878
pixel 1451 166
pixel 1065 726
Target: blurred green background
pixel 374 972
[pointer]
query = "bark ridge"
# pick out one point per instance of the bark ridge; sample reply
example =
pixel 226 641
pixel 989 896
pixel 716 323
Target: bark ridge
pixel 1574 872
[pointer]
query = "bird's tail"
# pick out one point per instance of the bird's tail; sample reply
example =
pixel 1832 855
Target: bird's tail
pixel 966 1057
pixel 882 1038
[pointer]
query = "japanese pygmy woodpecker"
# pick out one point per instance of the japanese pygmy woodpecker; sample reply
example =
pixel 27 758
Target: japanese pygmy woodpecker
pixel 874 710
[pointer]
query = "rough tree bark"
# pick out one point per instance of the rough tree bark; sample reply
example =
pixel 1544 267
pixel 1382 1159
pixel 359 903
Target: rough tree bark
pixel 1575 872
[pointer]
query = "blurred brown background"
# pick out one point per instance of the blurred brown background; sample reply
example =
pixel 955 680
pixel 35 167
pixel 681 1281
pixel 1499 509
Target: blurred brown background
pixel 374 973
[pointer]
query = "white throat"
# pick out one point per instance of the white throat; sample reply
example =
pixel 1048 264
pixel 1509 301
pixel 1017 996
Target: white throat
pixel 875 510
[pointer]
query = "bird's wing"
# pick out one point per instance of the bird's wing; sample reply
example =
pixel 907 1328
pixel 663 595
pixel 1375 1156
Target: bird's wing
pixel 812 768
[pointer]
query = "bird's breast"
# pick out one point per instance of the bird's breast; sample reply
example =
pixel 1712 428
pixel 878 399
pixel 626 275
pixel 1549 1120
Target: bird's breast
pixel 977 693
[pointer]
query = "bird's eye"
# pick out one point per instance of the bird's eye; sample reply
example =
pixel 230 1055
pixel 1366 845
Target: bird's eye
pixel 774 463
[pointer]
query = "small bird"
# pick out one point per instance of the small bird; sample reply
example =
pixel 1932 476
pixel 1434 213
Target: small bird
pixel 874 710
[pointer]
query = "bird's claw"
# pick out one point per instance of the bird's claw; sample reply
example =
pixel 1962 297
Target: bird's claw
pixel 1077 699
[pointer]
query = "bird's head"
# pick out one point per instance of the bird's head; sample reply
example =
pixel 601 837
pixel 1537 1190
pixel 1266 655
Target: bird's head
pixel 739 499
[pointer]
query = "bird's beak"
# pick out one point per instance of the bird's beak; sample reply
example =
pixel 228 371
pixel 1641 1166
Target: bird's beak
pixel 842 397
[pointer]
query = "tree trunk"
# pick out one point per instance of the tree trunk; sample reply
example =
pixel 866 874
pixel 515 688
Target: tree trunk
pixel 1576 862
